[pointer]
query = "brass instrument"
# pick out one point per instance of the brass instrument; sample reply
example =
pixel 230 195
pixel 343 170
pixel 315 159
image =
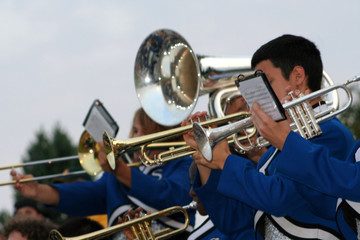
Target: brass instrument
pixel 170 77
pixel 114 147
pixel 301 114
pixel 87 156
pixel 177 150
pixel 140 227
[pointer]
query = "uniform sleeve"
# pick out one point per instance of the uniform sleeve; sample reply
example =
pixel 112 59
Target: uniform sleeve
pixel 312 165
pixel 167 186
pixel 274 194
pixel 82 198
pixel 228 215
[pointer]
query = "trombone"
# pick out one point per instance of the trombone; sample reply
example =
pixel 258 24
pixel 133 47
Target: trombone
pixel 304 121
pixel 115 148
pixel 87 155
pixel 140 227
pixel 88 151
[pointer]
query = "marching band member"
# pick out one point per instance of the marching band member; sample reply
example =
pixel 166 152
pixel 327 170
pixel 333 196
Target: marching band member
pixel 151 188
pixel 313 166
pixel 206 229
pixel 282 208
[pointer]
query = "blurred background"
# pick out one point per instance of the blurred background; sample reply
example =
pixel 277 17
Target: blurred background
pixel 57 57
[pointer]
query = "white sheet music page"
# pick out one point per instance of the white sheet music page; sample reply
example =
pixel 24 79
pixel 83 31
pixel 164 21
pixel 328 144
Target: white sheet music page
pixel 96 125
pixel 255 90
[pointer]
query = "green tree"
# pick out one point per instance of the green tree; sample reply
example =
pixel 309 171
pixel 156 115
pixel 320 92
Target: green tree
pixel 48 146
pixel 4 217
pixel 351 117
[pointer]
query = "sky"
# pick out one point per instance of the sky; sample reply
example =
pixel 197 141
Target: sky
pixel 57 57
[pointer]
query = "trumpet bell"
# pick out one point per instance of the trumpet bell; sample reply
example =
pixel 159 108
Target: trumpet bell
pixel 167 76
pixel 88 151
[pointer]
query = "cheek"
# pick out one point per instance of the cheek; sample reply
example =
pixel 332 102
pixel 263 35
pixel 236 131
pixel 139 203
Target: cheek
pixel 279 90
pixel 140 133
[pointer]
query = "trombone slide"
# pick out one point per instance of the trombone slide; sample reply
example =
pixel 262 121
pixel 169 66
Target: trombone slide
pixel 46 161
pixel 32 179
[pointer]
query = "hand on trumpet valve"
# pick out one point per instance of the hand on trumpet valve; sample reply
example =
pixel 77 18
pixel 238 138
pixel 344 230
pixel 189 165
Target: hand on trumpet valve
pixel 275 132
pixel 189 136
pixel 28 189
pixel 220 152
pixel 131 232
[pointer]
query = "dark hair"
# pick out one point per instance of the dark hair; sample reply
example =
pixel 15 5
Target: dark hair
pixel 192 171
pixel 288 51
pixel 30 228
pixel 149 125
pixel 28 202
pixel 78 226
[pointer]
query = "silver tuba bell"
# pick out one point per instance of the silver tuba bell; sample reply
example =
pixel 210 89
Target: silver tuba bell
pixel 170 77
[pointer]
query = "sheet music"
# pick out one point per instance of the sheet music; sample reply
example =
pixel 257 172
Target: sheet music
pixel 255 90
pixel 96 125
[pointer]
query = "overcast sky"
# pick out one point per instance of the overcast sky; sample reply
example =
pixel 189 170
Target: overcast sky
pixel 57 57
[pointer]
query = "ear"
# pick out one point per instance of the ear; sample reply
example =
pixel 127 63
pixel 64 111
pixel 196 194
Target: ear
pixel 299 77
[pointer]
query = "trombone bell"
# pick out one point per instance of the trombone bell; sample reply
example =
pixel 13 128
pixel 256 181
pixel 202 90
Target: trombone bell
pixel 88 151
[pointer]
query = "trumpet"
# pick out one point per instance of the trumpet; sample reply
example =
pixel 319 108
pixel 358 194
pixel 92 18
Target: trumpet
pixel 177 150
pixel 304 121
pixel 140 227
pixel 115 148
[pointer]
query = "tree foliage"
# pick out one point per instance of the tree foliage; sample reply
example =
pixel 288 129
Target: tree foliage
pixel 48 146
pixel 351 117
pixel 4 217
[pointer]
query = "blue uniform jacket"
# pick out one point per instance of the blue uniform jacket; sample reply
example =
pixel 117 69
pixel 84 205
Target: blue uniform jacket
pixel 243 187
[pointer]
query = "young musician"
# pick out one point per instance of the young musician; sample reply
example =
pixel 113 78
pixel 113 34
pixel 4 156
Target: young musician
pixel 282 208
pixel 312 165
pixel 152 188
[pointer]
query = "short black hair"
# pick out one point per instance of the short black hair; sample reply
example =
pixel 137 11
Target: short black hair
pixel 288 51
pixel 28 202
pixel 78 226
